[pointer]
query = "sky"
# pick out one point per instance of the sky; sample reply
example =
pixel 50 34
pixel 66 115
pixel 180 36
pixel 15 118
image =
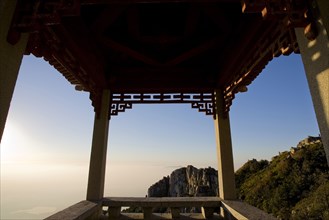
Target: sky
pixel 46 144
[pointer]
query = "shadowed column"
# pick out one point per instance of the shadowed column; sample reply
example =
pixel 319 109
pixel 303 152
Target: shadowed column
pixel 226 179
pixel 97 166
pixel 315 56
pixel 10 60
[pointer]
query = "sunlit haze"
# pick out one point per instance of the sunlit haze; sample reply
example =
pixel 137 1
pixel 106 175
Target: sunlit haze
pixel 46 144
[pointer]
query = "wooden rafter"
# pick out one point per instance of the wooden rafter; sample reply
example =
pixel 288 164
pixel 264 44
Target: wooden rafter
pixel 106 18
pixel 108 42
pixel 232 58
pixel 150 61
pixel 203 47
pixel 78 45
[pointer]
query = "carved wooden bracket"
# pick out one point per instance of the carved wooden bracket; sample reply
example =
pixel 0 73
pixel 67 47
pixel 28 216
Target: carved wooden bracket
pixel 292 13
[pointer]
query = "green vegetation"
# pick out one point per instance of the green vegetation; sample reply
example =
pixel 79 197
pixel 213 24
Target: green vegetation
pixel 293 185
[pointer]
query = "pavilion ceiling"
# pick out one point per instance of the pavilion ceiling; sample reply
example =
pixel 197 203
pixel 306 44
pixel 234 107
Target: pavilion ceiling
pixel 162 46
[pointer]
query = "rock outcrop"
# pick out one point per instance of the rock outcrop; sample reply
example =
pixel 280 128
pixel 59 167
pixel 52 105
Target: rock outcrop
pixel 160 188
pixel 309 140
pixel 187 181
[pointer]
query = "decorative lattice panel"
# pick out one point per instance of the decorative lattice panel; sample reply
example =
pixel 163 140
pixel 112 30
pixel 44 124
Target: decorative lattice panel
pixel 204 102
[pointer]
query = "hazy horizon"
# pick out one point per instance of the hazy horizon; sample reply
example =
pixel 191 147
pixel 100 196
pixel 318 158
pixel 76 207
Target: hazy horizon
pixel 46 144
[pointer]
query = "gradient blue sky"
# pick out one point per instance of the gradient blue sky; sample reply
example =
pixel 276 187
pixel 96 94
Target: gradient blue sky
pixel 46 144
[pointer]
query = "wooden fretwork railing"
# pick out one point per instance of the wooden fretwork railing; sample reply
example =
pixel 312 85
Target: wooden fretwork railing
pixel 230 209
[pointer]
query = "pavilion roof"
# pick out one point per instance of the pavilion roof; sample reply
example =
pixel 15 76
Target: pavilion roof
pixel 160 46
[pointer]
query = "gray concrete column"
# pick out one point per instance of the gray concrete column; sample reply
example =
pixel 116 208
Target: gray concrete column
pixel 315 56
pixel 226 178
pixel 97 165
pixel 10 60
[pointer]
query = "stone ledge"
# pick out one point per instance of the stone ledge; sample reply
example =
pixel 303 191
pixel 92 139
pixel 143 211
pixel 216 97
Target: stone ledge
pixel 148 204
pixel 161 216
pixel 81 210
pixel 241 210
pixel 162 201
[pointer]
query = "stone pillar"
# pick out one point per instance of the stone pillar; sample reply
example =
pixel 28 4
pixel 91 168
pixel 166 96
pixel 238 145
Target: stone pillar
pixel 315 56
pixel 97 165
pixel 147 213
pixel 226 178
pixel 114 213
pixel 10 60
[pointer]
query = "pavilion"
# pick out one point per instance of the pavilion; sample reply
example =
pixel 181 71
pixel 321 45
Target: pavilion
pixel 201 52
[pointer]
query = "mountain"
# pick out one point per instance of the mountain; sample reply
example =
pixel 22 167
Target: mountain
pixel 187 181
pixel 293 185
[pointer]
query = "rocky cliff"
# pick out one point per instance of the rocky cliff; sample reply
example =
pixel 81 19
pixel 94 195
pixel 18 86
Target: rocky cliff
pixel 187 181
